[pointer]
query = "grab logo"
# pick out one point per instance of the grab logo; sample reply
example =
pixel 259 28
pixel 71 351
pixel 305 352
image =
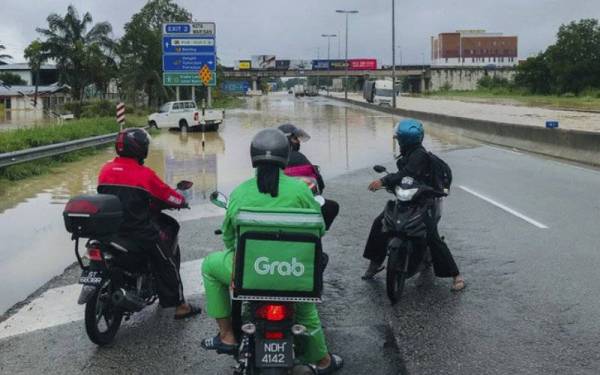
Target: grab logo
pixel 262 266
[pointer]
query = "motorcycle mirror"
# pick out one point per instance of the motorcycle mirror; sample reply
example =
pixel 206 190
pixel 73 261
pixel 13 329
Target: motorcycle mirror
pixel 218 199
pixel 184 185
pixel 379 169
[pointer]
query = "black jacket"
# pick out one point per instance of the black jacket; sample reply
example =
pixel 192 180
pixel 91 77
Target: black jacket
pixel 414 162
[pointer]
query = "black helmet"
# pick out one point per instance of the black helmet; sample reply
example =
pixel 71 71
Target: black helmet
pixel 293 131
pixel 133 143
pixel 270 146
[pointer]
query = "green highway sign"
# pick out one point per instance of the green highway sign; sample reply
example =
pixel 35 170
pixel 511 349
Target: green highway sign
pixel 186 79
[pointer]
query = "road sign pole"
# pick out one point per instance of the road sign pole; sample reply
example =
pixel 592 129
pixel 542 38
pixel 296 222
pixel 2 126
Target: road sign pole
pixel 177 93
pixel 209 96
pixel 194 94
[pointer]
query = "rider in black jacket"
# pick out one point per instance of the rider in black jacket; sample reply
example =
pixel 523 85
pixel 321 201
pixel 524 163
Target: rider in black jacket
pixel 299 165
pixel 415 162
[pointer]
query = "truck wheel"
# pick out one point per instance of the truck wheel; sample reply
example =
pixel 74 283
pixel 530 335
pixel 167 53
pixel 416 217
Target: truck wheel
pixel 153 124
pixel 183 126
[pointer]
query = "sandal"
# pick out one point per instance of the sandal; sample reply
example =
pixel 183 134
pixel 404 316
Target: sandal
pixel 215 343
pixel 458 285
pixel 336 363
pixel 194 310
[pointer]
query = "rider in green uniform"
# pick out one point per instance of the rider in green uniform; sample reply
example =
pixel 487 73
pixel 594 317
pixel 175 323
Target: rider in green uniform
pixel 270 188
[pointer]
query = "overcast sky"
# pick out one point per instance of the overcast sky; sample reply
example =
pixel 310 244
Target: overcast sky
pixel 293 28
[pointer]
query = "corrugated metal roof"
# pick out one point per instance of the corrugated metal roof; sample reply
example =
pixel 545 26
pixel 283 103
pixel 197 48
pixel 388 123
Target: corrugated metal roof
pixel 18 90
pixel 25 66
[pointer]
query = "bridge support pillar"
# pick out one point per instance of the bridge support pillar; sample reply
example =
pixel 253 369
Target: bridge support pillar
pixel 254 84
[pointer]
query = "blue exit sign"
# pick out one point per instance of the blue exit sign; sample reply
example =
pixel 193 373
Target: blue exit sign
pixel 177 29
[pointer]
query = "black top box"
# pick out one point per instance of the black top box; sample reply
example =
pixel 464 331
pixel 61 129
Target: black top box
pixel 93 216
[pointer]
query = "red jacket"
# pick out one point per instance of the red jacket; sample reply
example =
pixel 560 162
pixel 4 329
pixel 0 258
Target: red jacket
pixel 139 189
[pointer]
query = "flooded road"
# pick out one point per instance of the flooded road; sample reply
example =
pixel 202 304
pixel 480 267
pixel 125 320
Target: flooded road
pixel 36 247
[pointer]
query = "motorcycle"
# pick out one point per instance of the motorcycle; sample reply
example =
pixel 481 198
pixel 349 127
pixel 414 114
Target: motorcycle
pixel 265 330
pixel 116 276
pixel 404 219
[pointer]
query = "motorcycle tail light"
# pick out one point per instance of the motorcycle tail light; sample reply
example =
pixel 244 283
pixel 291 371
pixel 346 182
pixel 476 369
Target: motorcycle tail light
pixel 94 254
pixel 273 313
pixel 274 335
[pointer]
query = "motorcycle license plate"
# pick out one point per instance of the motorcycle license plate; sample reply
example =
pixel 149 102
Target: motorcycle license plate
pixel 91 277
pixel 274 353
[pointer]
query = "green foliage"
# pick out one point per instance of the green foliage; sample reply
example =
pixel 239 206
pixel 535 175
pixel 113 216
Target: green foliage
pixel 41 166
pixel 11 79
pixel 23 138
pixel 572 64
pixel 140 49
pixel 493 82
pixel 82 56
pixel 227 101
pixel 3 57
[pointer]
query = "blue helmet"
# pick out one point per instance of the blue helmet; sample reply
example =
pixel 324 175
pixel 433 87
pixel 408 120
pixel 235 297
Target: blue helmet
pixel 409 132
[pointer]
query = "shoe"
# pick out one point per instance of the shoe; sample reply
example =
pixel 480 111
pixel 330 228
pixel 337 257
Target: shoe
pixel 374 269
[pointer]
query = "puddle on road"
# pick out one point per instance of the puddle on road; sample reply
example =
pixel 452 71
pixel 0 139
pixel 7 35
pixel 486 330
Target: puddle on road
pixel 36 247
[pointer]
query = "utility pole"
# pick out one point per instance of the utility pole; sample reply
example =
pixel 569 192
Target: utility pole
pixel 346 12
pixel 328 36
pixel 393 53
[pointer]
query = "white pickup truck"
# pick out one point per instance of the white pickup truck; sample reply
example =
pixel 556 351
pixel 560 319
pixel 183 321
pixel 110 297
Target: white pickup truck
pixel 185 115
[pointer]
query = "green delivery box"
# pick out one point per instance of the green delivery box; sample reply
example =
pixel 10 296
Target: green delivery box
pixel 278 254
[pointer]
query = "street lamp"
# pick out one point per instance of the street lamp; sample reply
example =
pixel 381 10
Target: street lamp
pixel 328 36
pixel 393 53
pixel 346 12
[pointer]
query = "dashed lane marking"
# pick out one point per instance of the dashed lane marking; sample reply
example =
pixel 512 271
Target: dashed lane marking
pixel 59 305
pixel 504 207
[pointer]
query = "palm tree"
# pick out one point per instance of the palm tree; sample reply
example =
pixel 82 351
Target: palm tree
pixel 70 44
pixel 3 57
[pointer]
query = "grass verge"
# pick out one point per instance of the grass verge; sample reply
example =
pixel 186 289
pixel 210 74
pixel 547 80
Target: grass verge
pixel 583 102
pixel 227 102
pixel 20 139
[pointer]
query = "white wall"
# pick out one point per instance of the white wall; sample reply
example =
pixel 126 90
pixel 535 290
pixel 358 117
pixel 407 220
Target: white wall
pixel 464 79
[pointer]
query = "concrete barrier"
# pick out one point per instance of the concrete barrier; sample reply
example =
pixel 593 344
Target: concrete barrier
pixel 574 145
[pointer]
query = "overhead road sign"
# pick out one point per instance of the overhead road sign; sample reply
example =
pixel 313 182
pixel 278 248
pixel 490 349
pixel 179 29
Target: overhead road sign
pixel 189 54
pixel 190 28
pixel 188 44
pixel 179 63
pixel 186 79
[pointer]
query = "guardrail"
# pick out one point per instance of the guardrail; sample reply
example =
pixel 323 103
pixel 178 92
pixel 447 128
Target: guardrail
pixel 30 154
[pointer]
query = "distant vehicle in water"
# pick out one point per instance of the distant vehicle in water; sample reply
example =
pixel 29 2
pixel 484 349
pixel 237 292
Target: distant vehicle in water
pixel 185 115
pixel 299 90
pixel 378 92
pixel 311 91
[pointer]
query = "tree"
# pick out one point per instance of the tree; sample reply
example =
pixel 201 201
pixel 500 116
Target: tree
pixel 11 79
pixel 74 47
pixel 34 53
pixel 140 48
pixel 3 57
pixel 534 75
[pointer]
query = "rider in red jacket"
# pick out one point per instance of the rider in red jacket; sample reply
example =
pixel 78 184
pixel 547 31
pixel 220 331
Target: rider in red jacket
pixel 143 194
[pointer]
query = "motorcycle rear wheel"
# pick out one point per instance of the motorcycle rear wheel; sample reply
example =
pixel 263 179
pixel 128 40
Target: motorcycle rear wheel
pixel 396 273
pixel 102 319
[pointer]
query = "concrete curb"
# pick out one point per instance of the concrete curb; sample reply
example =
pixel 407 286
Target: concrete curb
pixel 574 145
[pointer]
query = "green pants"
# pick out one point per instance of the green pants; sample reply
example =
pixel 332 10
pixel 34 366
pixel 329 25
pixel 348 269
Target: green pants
pixel 216 272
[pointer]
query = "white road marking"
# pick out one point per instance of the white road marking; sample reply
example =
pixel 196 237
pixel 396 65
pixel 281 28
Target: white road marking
pixel 505 208
pixel 59 305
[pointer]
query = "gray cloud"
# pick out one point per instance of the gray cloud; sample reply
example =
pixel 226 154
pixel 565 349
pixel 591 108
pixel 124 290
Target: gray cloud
pixel 292 29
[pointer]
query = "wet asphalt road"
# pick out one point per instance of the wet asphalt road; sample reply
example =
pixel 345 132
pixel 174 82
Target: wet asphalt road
pixel 530 307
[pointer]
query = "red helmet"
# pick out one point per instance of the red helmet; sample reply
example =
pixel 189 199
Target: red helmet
pixel 133 143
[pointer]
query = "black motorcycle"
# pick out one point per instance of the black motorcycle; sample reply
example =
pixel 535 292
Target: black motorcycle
pixel 116 275
pixel 404 222
pixel 265 329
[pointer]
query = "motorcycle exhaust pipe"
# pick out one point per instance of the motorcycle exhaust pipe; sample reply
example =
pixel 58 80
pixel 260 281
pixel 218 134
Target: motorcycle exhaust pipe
pixel 127 301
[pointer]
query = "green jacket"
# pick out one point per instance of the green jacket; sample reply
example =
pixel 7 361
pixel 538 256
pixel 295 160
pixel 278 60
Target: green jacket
pixel 293 193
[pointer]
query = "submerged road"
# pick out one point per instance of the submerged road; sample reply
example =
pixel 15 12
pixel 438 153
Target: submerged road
pixel 523 230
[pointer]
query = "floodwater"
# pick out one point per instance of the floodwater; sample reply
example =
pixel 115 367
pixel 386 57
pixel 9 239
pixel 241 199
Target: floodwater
pixel 35 246
pixel 12 119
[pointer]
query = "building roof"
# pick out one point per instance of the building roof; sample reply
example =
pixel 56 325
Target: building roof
pixel 25 66
pixel 18 90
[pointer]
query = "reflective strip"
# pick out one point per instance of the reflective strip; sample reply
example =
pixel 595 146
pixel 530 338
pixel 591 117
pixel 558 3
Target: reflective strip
pixel 292 218
pixel 78 215
pixel 277 299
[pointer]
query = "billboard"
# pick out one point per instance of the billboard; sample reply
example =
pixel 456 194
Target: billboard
pixel 300 64
pixel 242 65
pixel 320 64
pixel 263 62
pixel 337 64
pixel 282 64
pixel 362 64
pixel 235 86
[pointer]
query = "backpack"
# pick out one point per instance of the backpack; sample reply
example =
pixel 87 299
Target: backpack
pixel 441 174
